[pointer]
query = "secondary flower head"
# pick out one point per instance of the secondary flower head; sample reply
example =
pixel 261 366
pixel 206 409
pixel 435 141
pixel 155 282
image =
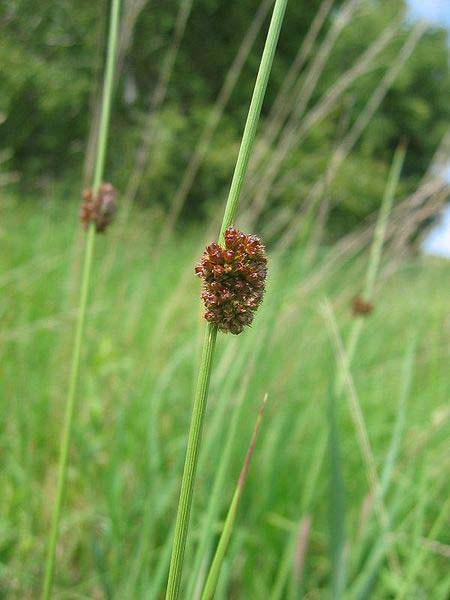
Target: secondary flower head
pixel 100 208
pixel 361 307
pixel 233 280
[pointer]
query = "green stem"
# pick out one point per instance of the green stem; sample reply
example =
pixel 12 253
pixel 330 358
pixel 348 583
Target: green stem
pixel 201 394
pixel 219 556
pixel 376 251
pixel 382 222
pixel 108 85
pixel 68 419
pixel 249 134
pixel 190 465
pixel 82 306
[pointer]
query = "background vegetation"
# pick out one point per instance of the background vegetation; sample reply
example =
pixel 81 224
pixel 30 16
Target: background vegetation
pixel 143 337
pixel 52 58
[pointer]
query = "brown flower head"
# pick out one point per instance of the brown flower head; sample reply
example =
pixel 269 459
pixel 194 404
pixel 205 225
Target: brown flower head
pixel 361 307
pixel 100 208
pixel 233 280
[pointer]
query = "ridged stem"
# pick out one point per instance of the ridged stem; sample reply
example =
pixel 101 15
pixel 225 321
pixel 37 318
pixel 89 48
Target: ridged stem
pixel 201 394
pixel 82 306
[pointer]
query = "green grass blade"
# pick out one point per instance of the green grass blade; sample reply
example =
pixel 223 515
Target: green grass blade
pixel 216 495
pixel 382 546
pixel 376 250
pixel 295 589
pixel 242 366
pixel 337 504
pixel 214 572
pixel 394 446
pixel 383 219
pixel 419 556
pixel 310 485
pixel 190 465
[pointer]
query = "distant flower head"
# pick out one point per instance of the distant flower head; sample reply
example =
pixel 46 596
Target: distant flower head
pixel 100 208
pixel 233 280
pixel 361 307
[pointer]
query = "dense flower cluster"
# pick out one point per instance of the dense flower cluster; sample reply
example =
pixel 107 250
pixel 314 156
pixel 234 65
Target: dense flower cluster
pixel 100 208
pixel 233 280
pixel 361 307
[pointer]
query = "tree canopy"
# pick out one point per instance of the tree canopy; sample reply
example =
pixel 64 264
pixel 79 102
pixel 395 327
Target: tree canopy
pixel 51 58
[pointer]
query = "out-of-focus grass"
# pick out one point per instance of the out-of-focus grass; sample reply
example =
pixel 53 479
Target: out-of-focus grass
pixel 143 336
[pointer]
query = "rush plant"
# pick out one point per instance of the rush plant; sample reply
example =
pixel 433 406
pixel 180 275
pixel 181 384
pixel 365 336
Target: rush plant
pixel 201 393
pixel 96 213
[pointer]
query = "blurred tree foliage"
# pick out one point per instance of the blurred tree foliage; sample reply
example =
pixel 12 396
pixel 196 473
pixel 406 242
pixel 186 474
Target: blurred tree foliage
pixel 52 52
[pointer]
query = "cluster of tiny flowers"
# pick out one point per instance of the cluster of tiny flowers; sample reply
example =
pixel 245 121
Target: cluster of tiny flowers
pixel 233 280
pixel 99 208
pixel 361 307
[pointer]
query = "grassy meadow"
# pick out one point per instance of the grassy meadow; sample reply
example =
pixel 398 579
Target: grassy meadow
pixel 309 492
pixel 146 454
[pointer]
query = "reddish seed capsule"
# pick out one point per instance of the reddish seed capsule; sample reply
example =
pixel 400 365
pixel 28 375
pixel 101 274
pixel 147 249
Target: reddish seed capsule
pixel 361 307
pixel 99 209
pixel 233 280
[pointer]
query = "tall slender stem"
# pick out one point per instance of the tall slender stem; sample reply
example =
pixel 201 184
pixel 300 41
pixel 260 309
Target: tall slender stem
pixel 201 394
pixel 68 418
pixel 82 306
pixel 108 86
pixel 254 112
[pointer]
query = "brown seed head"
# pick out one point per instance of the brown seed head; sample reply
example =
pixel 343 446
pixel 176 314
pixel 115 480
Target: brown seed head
pixel 361 307
pixel 99 209
pixel 233 280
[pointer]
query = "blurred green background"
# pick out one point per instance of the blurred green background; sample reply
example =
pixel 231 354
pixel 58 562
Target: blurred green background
pixel 52 55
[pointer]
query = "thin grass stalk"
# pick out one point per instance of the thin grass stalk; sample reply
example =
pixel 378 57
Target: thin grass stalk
pixel 303 93
pixel 287 560
pixel 82 308
pixel 95 97
pixel 277 113
pixel 199 406
pixel 441 520
pixel 216 494
pixel 306 215
pixel 363 586
pixel 131 12
pixel 214 118
pixel 295 589
pixel 219 556
pixel 337 502
pixel 295 133
pixel 375 253
pixel 351 244
pixel 282 105
pixel 371 273
pixel 215 497
pixel 323 108
pixel 283 102
pixel 362 434
pixel 141 162
pixel 388 468
pixel 156 102
pixel 351 138
pixel 295 95
pixel 253 116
